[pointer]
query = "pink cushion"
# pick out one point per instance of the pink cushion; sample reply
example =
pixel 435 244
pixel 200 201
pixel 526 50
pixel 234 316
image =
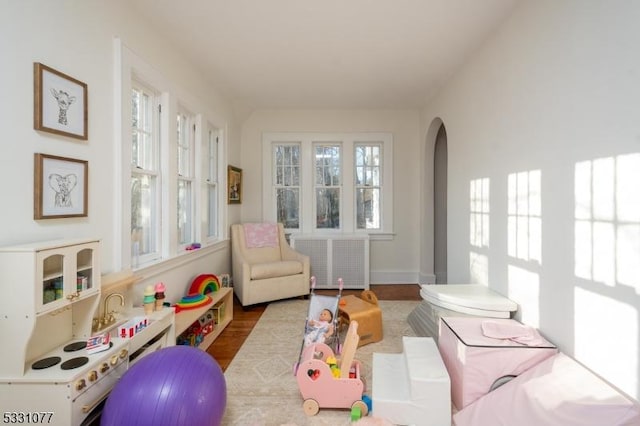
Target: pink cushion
pixel 557 391
pixel 260 271
pixel 261 235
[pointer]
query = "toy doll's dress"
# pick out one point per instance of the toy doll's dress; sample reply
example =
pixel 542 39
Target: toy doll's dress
pixel 315 333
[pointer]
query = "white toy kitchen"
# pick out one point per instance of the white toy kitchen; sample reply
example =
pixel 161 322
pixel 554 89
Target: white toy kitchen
pixel 49 305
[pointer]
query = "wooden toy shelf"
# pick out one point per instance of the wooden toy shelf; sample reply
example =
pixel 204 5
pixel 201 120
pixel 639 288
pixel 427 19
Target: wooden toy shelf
pixel 187 317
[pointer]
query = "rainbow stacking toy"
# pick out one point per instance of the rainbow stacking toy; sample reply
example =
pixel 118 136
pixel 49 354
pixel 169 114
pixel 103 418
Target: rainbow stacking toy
pixel 192 301
pixel 203 284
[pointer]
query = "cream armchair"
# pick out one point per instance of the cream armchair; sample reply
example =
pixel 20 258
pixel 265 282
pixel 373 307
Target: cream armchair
pixel 265 267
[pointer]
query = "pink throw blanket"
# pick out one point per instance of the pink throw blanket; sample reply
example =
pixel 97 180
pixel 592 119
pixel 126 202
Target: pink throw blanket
pixel 519 333
pixel 261 235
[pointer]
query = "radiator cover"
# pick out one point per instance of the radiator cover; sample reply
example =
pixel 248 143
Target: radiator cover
pixel 336 256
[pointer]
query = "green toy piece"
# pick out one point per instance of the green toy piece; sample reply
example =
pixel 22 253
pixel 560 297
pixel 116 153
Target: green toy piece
pixel 356 414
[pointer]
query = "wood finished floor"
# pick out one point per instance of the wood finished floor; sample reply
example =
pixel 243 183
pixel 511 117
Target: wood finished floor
pixel 225 347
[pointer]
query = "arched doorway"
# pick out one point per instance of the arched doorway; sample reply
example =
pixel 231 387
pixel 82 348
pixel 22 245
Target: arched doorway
pixel 440 206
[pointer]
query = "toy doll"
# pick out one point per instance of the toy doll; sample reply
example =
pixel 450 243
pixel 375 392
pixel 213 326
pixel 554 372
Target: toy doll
pixel 318 330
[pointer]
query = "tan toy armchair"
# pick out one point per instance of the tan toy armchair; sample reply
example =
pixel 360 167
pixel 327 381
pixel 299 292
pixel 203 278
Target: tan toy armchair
pixel 265 267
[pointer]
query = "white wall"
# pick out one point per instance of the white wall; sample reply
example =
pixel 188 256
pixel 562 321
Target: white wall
pixel 393 261
pixel 556 91
pixel 77 38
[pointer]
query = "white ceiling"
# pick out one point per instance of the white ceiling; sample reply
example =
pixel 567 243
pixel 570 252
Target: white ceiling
pixel 327 53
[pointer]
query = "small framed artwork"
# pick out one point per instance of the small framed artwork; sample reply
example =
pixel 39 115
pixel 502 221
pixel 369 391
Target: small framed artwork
pixel 225 280
pixel 234 182
pixel 60 103
pixel 60 187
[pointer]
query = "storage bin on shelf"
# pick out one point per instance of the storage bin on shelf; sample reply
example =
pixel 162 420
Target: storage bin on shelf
pixel 218 312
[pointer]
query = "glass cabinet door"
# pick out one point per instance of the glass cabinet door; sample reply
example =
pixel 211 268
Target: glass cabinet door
pixel 84 273
pixel 52 279
pixel 67 274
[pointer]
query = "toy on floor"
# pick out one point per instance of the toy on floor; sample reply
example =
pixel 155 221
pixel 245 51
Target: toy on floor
pixel 319 329
pixel 328 382
pixel 177 385
pixel 321 324
pixel 366 311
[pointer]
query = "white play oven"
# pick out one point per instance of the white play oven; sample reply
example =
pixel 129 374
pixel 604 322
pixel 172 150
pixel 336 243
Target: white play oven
pixel 50 294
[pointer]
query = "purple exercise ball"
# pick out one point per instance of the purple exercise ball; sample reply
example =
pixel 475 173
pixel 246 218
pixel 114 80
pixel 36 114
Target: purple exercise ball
pixel 177 385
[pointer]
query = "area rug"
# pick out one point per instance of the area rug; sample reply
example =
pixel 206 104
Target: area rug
pixel 261 387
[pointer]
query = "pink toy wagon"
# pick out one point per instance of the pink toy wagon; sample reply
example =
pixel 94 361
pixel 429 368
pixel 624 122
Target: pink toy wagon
pixel 327 382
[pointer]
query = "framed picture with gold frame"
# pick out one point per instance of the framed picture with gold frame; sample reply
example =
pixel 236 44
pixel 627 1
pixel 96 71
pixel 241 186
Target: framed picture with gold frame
pixel 234 185
pixel 60 187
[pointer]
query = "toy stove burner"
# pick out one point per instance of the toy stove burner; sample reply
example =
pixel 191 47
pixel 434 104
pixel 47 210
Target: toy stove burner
pixel 46 363
pixel 75 346
pixel 72 363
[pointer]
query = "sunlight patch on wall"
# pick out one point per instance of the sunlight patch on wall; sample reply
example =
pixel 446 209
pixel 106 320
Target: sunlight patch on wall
pixel 524 289
pixel 628 249
pixel 596 339
pixel 479 268
pixel 628 212
pixel 607 258
pixel 524 216
pixel 607 221
pixel 479 212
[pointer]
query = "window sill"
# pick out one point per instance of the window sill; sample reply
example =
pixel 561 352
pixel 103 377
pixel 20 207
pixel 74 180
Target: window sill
pixel 377 236
pixel 185 256
pixel 382 236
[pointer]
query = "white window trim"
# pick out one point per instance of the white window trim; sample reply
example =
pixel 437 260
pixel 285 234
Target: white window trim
pixel 343 186
pixel 191 174
pixel 203 126
pixel 157 103
pixel 348 211
pixel 129 66
pixel 381 182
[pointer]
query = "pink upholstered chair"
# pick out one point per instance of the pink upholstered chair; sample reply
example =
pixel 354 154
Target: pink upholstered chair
pixel 265 267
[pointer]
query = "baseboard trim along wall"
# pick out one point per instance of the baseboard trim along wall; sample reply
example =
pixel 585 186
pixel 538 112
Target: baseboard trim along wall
pixel 394 277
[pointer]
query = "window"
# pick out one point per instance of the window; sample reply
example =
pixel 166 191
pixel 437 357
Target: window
pixel 368 186
pixel 326 182
pixel 170 168
pixel 211 181
pixel 145 176
pixel 185 138
pixel 287 184
pixel 328 185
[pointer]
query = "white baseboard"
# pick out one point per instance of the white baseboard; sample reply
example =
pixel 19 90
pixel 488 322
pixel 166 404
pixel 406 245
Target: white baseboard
pixel 393 277
pixel 427 278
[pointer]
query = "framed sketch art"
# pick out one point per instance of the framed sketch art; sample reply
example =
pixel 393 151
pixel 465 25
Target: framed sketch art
pixel 234 184
pixel 60 187
pixel 60 103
